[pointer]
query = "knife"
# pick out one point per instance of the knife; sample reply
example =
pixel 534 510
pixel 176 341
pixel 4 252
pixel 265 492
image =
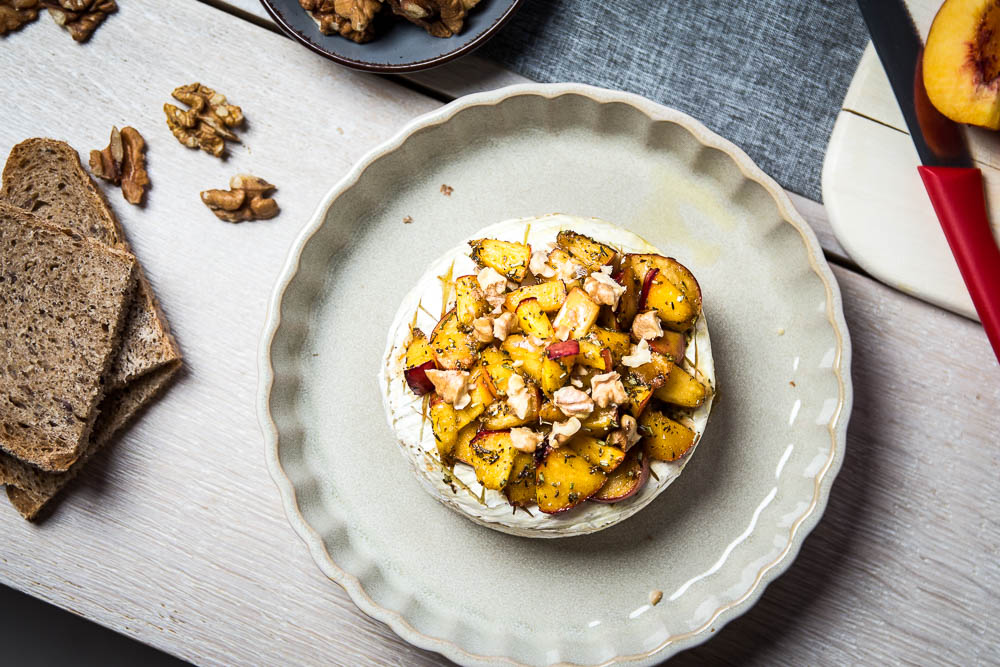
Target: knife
pixel 954 185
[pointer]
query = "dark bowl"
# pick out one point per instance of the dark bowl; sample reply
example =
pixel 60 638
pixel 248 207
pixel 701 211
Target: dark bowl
pixel 401 46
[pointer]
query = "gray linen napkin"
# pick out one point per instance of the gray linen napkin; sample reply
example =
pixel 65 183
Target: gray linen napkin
pixel 767 74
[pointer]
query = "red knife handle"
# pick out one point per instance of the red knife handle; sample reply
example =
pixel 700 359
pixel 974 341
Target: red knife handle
pixel 958 199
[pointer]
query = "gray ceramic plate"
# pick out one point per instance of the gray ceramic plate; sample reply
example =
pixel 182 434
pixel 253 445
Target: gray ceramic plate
pixel 732 522
pixel 402 46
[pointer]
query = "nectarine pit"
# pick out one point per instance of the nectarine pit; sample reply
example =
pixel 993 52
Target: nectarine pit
pixel 985 52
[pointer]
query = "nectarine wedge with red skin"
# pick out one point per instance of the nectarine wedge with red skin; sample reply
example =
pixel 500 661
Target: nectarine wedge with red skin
pixel 626 480
pixel 417 380
pixel 672 345
pixel 647 283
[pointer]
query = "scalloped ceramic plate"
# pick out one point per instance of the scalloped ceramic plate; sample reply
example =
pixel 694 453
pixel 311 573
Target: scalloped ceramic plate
pixel 713 540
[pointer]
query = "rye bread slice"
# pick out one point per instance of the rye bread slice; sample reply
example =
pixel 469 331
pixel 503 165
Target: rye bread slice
pixel 30 489
pixel 45 177
pixel 63 300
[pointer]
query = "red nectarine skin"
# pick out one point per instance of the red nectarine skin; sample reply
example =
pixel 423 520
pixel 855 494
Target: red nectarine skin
pixel 417 380
pixel 627 480
pixel 646 284
pixel 566 348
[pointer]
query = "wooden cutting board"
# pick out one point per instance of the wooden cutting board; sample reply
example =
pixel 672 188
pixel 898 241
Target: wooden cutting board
pixel 878 208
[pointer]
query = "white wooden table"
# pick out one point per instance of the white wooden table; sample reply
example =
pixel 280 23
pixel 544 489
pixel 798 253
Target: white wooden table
pixel 177 538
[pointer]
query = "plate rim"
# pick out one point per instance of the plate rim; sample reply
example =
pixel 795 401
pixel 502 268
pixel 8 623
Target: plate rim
pixel 837 426
pixel 415 66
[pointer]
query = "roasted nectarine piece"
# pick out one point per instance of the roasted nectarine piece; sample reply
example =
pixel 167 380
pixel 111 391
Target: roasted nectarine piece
pixel 506 258
pixel 444 424
pixel 454 347
pixel 666 439
pixel 564 480
pixel 597 452
pixel 617 342
pixel 419 359
pixel 585 250
pixel 627 479
pixel 639 393
pixel 682 389
pixel 550 295
pixel 469 301
pixel 492 458
pixel 672 345
pixel 461 451
pixel 532 319
pixel 520 489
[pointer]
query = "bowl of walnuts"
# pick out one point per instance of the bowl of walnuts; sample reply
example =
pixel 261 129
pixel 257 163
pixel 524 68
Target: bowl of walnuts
pixel 391 36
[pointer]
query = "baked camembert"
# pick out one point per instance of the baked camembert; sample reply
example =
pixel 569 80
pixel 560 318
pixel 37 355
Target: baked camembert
pixel 550 376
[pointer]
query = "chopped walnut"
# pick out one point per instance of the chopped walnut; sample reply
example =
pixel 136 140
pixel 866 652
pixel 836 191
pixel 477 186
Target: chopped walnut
pixel 525 440
pixel 123 163
pixel 16 13
pixel 655 597
pixel 482 327
pixel 452 386
pixel 630 429
pixel 408 220
pixel 352 19
pixel 80 17
pixel 607 389
pixel 493 285
pixel 519 396
pixel 539 262
pixel 440 18
pixel 245 200
pixel 640 355
pixel 206 125
pixel 446 190
pixel 603 290
pixel 502 324
pixel 563 431
pixel 646 326
pixel 573 402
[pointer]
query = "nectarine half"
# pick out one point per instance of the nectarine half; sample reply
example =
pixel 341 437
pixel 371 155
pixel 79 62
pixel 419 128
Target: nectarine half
pixel 962 62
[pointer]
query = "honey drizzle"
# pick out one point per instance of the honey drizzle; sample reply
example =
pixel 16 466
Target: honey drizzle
pixel 451 474
pixel 446 285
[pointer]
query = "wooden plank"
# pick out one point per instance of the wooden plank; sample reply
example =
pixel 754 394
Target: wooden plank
pixel 905 554
pixel 177 537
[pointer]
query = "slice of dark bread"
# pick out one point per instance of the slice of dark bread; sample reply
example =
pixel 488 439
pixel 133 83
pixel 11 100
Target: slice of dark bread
pixel 30 489
pixel 45 177
pixel 63 301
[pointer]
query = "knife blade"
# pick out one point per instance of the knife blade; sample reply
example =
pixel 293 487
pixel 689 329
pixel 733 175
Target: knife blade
pixel 954 185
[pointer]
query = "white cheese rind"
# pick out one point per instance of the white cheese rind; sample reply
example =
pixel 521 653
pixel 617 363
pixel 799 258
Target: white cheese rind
pixel 405 414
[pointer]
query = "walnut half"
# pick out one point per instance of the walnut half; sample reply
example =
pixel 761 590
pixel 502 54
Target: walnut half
pixel 206 125
pixel 353 19
pixel 16 13
pixel 245 200
pixel 123 163
pixel 440 18
pixel 80 17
